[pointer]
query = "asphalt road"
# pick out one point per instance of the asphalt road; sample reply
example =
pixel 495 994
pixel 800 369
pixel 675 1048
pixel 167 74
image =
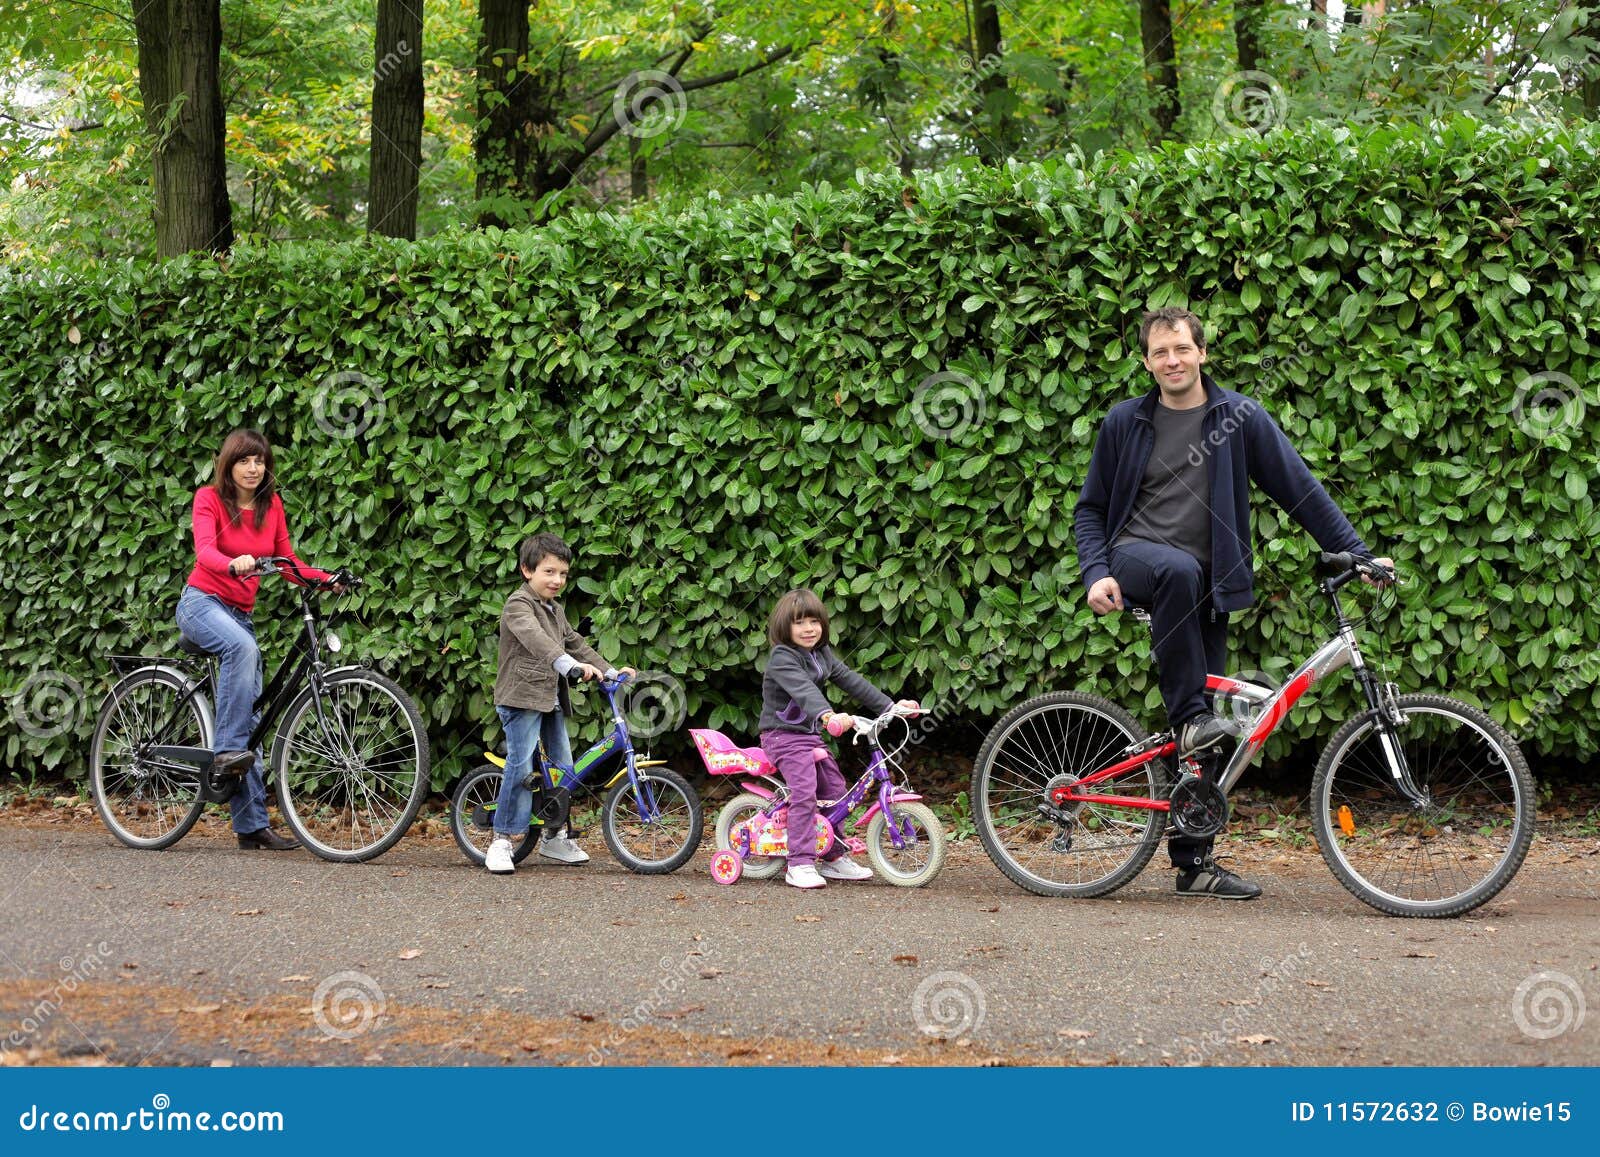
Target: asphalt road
pixel 205 954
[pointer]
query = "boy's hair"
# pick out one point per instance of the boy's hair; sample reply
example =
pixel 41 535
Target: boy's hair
pixel 536 546
pixel 1171 317
pixel 796 605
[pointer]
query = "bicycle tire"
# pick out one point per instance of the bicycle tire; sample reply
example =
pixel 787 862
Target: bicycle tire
pixel 881 850
pixel 108 778
pixel 319 801
pixel 1028 751
pixel 1380 833
pixel 619 816
pixel 482 784
pixel 741 807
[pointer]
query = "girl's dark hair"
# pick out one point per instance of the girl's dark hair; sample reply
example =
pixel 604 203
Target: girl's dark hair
pixel 535 547
pixel 237 445
pixel 794 606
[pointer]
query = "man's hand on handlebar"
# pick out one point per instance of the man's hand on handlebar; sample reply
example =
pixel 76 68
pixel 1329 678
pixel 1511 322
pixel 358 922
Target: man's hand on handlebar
pixel 1379 580
pixel 1105 596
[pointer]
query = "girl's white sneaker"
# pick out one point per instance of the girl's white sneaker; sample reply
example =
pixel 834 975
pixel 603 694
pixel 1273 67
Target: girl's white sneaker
pixel 844 868
pixel 804 876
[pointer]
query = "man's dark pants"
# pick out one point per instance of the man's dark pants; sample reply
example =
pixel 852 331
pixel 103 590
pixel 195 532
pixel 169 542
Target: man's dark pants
pixel 1188 638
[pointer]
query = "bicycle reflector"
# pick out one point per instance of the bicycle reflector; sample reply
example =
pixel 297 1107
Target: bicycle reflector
pixel 1347 822
pixel 331 641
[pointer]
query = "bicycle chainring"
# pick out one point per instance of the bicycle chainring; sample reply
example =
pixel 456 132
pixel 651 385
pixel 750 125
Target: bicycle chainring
pixel 1199 809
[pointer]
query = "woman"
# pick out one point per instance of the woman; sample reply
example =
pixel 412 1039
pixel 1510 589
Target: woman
pixel 237 519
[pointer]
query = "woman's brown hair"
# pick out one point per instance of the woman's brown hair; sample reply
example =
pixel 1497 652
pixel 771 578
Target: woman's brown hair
pixel 237 445
pixel 794 606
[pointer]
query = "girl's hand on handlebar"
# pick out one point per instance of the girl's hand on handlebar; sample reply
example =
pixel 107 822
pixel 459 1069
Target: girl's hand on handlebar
pixel 837 723
pixel 242 566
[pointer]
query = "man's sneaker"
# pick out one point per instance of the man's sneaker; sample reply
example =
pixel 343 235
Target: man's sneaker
pixel 1209 879
pixel 804 876
pixel 844 868
pixel 499 860
pixel 562 850
pixel 1204 732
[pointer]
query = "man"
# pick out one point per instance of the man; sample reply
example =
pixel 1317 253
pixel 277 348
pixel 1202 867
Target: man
pixel 1163 522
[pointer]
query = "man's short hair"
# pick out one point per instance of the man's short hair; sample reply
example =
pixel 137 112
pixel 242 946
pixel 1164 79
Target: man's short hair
pixel 535 547
pixel 1170 316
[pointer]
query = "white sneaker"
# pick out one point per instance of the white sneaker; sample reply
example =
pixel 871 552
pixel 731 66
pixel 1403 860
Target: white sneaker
pixel 498 860
pixel 804 876
pixel 562 850
pixel 844 868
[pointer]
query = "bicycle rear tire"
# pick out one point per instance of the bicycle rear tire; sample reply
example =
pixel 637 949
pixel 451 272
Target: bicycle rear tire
pixel 144 804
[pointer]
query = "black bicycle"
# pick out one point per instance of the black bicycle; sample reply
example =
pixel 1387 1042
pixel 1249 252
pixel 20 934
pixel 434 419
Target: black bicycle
pixel 350 758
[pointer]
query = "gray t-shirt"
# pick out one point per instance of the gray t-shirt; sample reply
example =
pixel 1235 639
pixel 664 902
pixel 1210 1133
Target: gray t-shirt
pixel 1173 506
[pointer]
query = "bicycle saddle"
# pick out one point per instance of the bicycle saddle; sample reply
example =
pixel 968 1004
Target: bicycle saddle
pixel 189 647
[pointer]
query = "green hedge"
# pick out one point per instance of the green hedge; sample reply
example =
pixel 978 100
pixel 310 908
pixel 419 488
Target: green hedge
pixel 888 392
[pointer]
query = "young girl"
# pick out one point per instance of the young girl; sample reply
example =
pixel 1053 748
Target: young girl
pixel 793 710
pixel 237 519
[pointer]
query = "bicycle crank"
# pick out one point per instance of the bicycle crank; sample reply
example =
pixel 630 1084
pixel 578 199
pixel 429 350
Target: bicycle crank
pixel 1199 809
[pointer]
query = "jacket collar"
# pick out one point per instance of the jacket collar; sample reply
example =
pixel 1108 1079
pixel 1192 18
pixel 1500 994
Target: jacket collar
pixel 1214 398
pixel 548 604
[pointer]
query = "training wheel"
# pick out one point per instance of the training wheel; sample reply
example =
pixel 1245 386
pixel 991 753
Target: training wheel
pixel 726 867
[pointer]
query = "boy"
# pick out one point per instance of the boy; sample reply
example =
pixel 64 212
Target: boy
pixel 537 649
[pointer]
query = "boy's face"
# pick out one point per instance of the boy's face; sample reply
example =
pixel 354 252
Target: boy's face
pixel 547 578
pixel 806 633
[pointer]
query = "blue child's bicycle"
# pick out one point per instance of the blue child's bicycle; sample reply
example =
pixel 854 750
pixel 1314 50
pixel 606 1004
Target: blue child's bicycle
pixel 651 817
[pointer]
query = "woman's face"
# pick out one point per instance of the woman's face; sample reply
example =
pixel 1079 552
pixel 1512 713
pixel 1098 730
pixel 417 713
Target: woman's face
pixel 248 473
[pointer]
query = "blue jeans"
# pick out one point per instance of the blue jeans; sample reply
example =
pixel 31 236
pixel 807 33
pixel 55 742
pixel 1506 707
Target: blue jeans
pixel 524 730
pixel 230 635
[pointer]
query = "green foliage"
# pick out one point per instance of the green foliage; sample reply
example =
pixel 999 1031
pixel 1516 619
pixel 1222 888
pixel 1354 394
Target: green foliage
pixel 718 405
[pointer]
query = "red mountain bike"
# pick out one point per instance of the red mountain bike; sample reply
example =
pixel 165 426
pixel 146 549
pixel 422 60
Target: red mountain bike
pixel 1421 805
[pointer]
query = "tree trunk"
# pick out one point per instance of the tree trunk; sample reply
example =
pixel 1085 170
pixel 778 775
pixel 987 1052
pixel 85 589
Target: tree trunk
pixel 1160 62
pixel 638 173
pixel 1247 33
pixel 180 45
pixel 503 145
pixel 995 98
pixel 396 164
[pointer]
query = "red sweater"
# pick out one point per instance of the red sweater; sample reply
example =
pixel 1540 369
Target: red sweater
pixel 217 542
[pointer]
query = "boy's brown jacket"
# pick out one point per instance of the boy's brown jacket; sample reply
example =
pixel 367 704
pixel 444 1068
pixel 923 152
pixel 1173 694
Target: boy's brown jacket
pixel 532 635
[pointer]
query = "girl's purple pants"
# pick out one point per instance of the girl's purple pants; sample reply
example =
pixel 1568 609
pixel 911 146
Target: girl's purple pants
pixel 808 778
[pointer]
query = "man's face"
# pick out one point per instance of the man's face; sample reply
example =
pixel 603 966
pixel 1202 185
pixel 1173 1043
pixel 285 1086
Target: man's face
pixel 1174 358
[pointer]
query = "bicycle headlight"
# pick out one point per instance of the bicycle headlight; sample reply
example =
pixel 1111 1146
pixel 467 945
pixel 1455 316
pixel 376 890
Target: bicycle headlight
pixel 331 641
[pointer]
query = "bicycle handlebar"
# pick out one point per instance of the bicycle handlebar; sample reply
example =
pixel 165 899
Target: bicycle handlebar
pixel 271 564
pixel 1347 566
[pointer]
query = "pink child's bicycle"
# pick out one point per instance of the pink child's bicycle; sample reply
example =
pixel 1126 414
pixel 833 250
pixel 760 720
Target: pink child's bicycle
pixel 904 840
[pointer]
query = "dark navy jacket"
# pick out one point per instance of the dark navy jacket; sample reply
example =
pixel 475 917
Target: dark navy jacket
pixel 1242 443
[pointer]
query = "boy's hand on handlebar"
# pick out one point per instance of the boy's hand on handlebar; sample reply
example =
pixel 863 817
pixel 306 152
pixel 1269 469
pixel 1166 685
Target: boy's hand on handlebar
pixel 1105 596
pixel 242 566
pixel 588 672
pixel 630 672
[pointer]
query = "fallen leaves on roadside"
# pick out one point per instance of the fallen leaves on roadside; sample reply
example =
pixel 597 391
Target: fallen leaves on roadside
pixel 905 958
pixel 528 1046
pixel 202 1009
pixel 586 1017
pixel 411 954
pixel 1255 1038
pixel 807 918
pixel 680 1013
pixel 710 973
pixel 1075 1033
pixel 741 1051
pixel 1421 955
pixel 297 978
pixel 250 912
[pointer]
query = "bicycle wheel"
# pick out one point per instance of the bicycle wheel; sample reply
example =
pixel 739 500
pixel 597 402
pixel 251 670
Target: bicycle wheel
pixel 147 803
pixel 1447 856
pixel 921 859
pixel 480 789
pixel 662 840
pixel 1042 744
pixel 738 809
pixel 351 779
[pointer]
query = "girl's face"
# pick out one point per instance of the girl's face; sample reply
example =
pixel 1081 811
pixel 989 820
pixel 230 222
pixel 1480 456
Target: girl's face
pixel 806 633
pixel 248 473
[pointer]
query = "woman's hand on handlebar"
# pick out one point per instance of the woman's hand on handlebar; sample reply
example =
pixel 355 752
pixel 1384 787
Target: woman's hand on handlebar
pixel 242 566
pixel 908 707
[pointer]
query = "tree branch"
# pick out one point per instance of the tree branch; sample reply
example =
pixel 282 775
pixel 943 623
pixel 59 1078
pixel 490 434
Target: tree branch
pixel 738 73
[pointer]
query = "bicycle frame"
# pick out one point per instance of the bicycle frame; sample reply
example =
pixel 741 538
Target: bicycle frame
pixel 1269 709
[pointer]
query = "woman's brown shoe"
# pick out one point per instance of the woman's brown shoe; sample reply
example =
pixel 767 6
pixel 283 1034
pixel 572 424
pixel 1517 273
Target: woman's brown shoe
pixel 267 839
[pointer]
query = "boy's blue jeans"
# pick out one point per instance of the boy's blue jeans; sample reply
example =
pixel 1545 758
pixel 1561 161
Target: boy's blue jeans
pixel 228 633
pixel 524 730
